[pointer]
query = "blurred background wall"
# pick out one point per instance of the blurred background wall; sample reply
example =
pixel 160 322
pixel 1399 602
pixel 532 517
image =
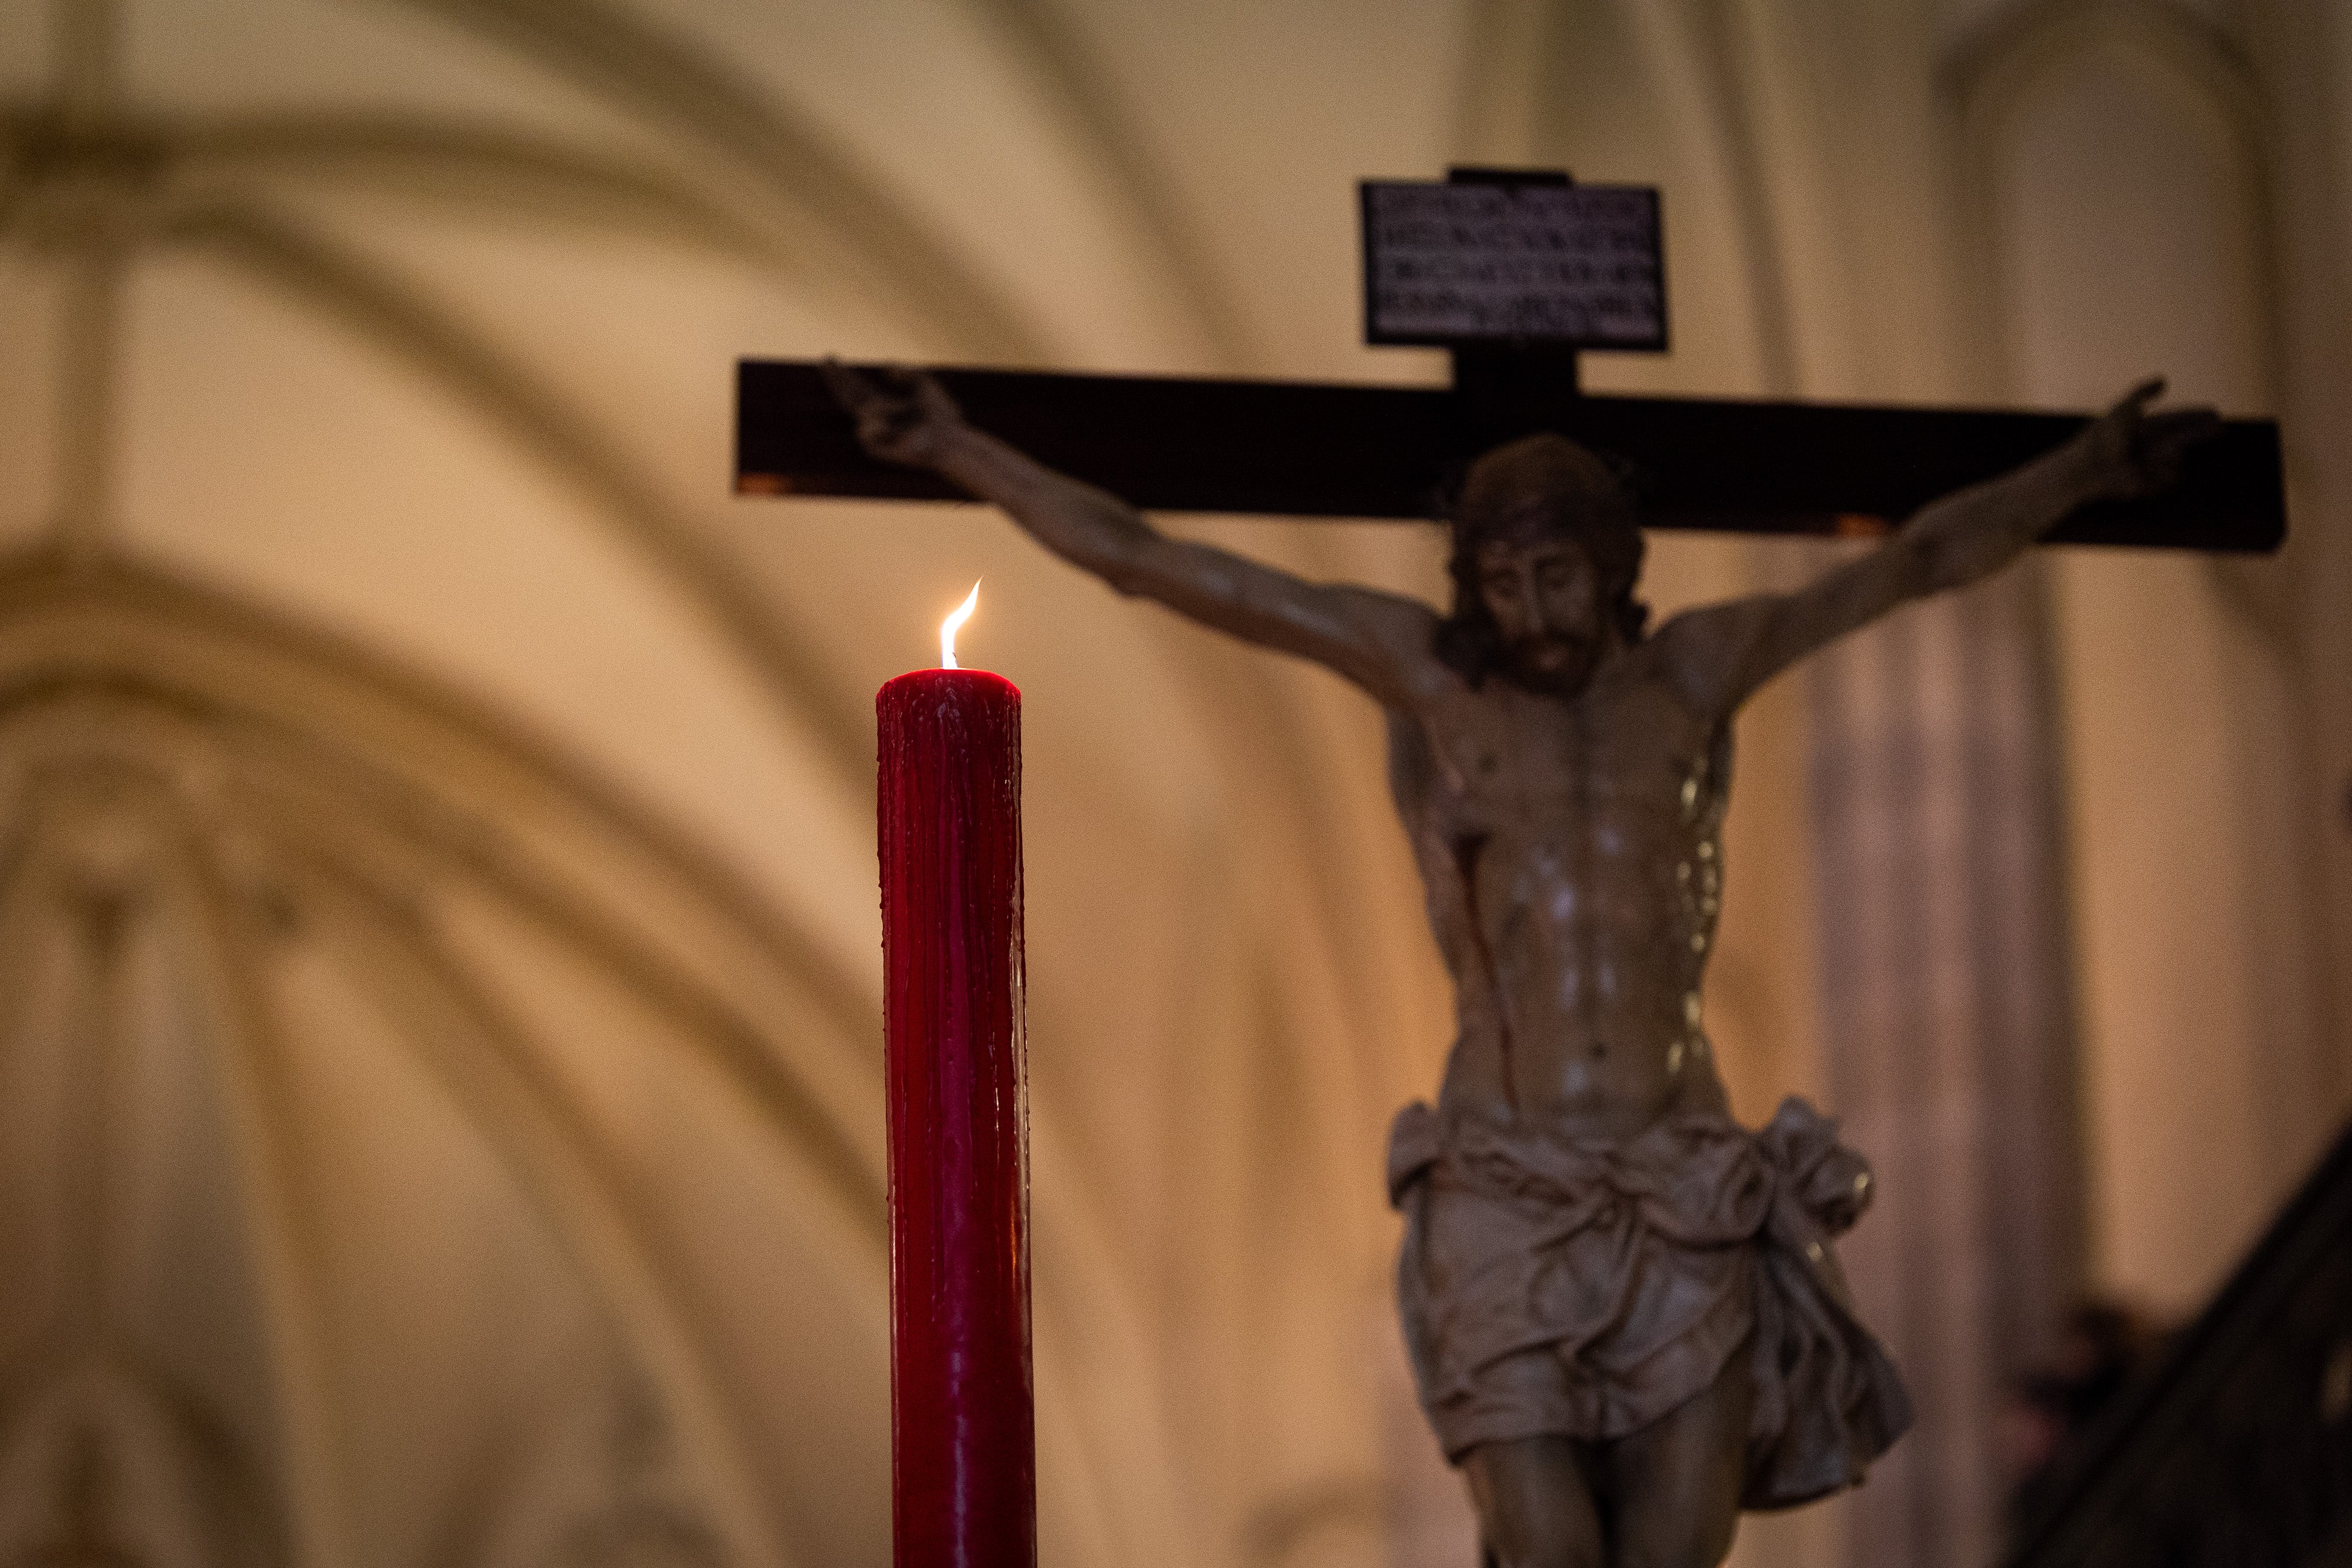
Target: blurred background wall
pixel 439 1007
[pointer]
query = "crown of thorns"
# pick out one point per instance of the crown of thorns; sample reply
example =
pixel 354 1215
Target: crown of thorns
pixel 1546 485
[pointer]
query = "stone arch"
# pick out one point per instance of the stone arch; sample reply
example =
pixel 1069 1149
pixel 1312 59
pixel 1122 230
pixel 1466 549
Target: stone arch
pixel 289 820
pixel 2119 165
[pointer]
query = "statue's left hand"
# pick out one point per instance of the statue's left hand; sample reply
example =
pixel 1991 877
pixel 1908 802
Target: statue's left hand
pixel 2132 451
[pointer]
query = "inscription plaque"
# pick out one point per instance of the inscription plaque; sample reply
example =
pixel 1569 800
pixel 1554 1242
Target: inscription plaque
pixel 1571 267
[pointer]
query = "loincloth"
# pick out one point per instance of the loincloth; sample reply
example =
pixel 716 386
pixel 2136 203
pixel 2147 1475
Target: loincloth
pixel 1586 1289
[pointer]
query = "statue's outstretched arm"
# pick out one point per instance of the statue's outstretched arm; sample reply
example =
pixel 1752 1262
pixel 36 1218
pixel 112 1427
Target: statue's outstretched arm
pixel 1377 640
pixel 1721 654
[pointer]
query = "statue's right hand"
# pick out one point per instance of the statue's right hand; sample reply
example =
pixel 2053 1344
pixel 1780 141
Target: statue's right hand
pixel 903 416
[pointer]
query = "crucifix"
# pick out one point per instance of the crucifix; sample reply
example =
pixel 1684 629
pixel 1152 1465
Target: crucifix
pixel 1623 1310
pixel 1319 450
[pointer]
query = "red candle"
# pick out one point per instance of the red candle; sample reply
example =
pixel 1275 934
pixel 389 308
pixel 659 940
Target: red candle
pixel 962 1434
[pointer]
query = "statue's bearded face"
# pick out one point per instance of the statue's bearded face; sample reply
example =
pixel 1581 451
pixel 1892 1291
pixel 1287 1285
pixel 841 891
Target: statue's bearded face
pixel 1547 600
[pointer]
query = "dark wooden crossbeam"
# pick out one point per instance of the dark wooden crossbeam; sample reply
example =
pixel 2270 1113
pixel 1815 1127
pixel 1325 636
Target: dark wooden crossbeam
pixel 1314 450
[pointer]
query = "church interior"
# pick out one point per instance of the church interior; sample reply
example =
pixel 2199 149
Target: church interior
pixel 441 1098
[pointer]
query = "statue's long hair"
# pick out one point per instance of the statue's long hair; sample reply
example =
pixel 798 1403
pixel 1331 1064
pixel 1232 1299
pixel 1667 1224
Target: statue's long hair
pixel 1538 486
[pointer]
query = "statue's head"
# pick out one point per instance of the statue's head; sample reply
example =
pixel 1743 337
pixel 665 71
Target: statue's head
pixel 1547 550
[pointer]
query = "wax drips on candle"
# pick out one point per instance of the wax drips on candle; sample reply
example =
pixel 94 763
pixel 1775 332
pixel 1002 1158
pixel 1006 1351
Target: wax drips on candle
pixel 948 627
pixel 962 1411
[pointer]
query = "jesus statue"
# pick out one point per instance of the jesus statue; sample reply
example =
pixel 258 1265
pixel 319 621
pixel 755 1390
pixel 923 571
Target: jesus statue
pixel 1625 1319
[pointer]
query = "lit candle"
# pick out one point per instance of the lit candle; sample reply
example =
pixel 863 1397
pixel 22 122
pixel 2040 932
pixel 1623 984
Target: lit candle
pixel 962 1432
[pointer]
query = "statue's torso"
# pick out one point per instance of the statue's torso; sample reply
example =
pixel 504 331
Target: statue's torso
pixel 1570 850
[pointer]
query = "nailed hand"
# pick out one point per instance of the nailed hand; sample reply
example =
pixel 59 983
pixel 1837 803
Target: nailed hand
pixel 2134 452
pixel 903 415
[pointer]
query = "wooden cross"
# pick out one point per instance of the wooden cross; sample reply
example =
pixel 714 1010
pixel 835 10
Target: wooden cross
pixel 1313 450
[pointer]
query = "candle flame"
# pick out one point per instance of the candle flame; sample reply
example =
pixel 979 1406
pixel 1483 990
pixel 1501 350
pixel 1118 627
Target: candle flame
pixel 948 628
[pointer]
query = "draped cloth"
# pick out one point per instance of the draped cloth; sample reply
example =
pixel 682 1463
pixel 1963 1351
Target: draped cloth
pixel 1552 1287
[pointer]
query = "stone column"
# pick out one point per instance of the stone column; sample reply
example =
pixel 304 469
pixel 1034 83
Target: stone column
pixel 1948 1019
